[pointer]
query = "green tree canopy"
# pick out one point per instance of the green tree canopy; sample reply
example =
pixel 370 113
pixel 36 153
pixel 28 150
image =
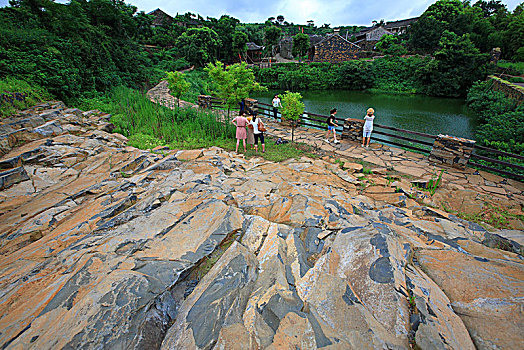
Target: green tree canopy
pixel 232 83
pixel 292 109
pixel 457 64
pixel 390 44
pixel 272 35
pixel 300 45
pixel 225 28
pixel 198 45
pixel 239 42
pixel 177 84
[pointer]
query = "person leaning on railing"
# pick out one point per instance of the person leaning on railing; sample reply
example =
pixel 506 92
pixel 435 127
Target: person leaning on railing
pixel 368 126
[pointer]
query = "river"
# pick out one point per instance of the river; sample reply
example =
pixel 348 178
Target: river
pixel 431 115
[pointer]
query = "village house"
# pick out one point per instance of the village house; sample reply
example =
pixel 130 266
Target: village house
pixel 368 37
pixel 334 48
pixel 160 18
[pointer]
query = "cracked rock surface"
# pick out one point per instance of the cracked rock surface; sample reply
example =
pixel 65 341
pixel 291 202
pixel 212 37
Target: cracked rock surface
pixel 106 246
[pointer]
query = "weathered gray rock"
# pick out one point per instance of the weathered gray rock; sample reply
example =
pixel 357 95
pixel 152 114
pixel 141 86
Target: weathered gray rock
pixel 51 128
pixel 13 176
pixel 217 302
pixel 126 248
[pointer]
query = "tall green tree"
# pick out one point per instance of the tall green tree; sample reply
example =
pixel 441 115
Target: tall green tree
pixel 232 83
pixel 390 44
pixel 426 32
pixel 457 64
pixel 300 45
pixel 239 42
pixel 292 109
pixel 225 28
pixel 199 45
pixel 272 36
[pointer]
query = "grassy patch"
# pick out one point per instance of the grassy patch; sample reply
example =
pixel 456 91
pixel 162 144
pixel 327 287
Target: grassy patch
pixel 491 215
pixel 279 153
pixel 33 95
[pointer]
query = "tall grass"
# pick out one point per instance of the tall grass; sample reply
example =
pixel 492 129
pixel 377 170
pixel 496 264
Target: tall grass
pixel 148 124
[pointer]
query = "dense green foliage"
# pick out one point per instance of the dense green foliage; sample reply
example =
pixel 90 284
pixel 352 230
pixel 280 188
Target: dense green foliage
pixel 233 83
pixel 457 64
pixel 390 45
pixel 488 23
pixel 71 49
pixel 199 45
pixel 272 36
pixel 393 74
pixel 300 45
pixel 148 124
pixel 502 121
pixel 512 68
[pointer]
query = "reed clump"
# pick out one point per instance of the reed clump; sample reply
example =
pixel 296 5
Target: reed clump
pixel 149 124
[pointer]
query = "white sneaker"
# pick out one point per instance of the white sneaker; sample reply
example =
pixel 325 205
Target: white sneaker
pixel 326 140
pixel 336 141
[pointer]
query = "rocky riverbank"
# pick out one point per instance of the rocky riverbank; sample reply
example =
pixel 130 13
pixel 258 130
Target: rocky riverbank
pixel 107 246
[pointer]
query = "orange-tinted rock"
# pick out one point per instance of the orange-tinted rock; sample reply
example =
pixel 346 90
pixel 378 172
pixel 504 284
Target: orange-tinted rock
pixel 486 293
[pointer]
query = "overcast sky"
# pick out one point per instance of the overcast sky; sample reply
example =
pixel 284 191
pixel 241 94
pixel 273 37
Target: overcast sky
pixel 334 12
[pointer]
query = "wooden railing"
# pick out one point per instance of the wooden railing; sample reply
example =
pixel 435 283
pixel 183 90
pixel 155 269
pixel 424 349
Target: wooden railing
pixel 319 121
pixel 413 140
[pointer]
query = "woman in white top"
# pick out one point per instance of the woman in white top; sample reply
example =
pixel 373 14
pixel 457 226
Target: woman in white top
pixel 368 127
pixel 255 122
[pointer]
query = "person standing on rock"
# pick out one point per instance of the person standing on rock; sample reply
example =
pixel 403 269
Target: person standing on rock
pixel 276 106
pixel 240 122
pixel 368 127
pixel 257 124
pixel 331 122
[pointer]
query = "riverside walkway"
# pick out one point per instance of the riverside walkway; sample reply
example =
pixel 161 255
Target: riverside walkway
pixel 470 192
pixel 386 158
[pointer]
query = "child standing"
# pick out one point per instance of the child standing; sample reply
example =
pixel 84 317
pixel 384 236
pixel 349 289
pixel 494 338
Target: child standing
pixel 331 126
pixel 368 127
pixel 241 134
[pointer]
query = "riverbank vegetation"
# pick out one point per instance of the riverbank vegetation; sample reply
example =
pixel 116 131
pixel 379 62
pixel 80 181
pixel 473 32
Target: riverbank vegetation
pixel 148 124
pixel 501 121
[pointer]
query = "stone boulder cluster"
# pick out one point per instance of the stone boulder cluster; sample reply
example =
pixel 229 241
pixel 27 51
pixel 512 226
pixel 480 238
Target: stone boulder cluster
pixel 103 245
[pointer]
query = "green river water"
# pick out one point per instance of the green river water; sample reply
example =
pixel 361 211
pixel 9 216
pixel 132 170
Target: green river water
pixel 431 115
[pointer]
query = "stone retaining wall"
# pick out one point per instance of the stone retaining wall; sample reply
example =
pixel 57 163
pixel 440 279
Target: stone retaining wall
pixel 204 101
pixel 452 151
pixel 353 129
pixel 512 91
